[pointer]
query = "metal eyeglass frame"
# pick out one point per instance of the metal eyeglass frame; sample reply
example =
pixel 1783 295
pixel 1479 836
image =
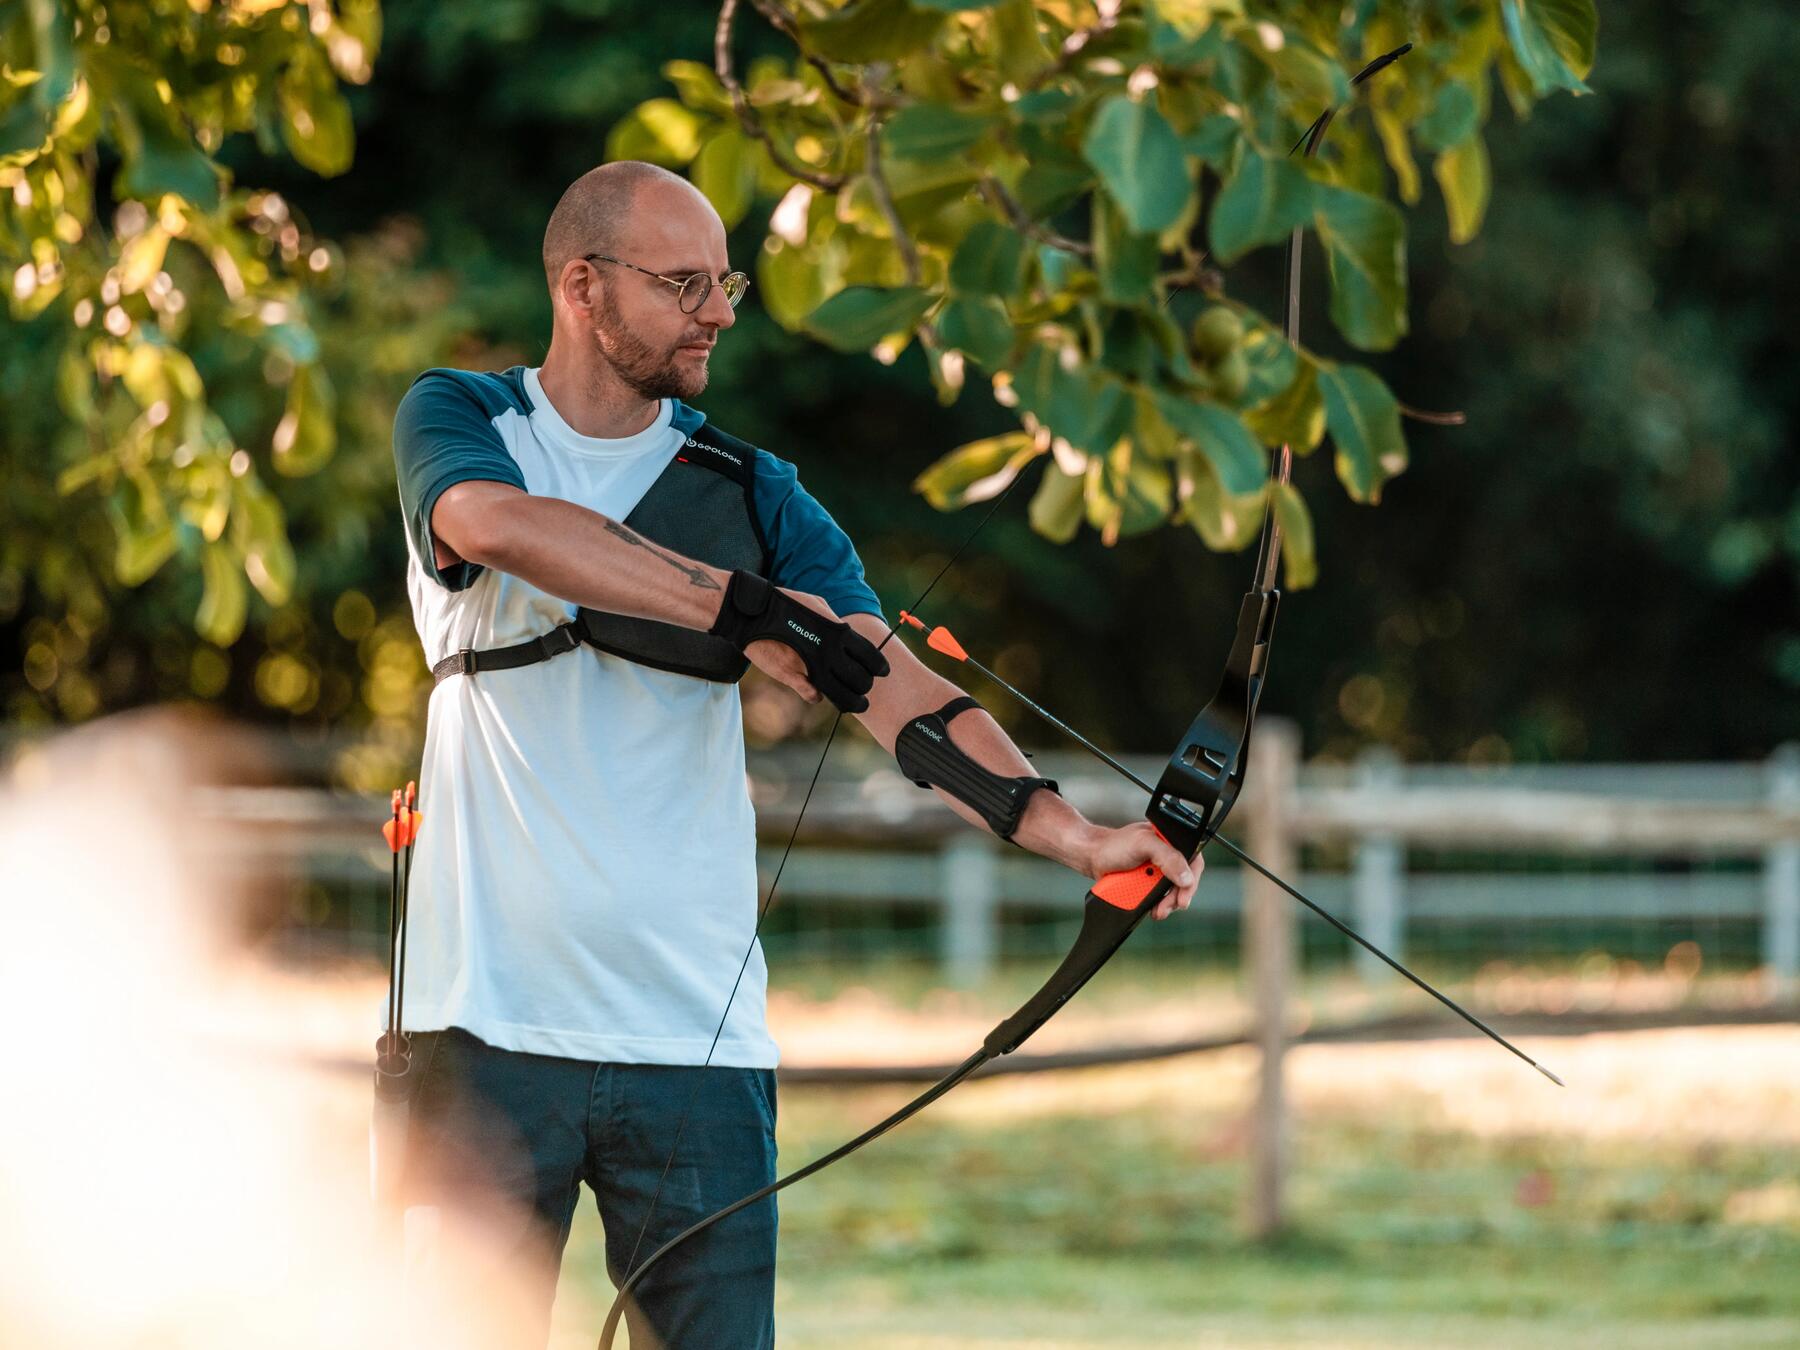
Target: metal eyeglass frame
pixel 681 284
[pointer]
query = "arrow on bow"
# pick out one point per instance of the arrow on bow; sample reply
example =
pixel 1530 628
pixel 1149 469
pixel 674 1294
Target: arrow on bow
pixel 1199 785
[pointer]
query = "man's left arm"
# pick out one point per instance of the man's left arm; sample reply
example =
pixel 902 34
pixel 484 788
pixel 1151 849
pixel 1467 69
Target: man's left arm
pixel 1049 826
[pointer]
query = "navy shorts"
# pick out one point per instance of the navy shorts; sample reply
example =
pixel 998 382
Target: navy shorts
pixel 500 1141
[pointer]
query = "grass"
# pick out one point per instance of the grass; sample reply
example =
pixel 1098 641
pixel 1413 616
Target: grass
pixel 1438 1196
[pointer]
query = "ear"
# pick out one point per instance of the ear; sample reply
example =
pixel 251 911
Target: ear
pixel 578 287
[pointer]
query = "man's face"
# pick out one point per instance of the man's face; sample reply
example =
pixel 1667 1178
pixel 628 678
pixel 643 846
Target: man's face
pixel 638 325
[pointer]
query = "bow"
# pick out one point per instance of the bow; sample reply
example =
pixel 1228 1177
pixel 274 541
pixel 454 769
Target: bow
pixel 1191 800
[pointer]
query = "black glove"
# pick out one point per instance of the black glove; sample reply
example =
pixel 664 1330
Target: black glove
pixel 841 663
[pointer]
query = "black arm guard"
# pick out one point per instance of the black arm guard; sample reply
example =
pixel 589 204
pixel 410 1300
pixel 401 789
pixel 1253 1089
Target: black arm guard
pixel 930 758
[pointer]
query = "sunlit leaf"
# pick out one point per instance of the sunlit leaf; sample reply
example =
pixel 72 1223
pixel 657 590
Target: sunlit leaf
pixel 976 471
pixel 1465 180
pixel 1364 420
pixel 871 30
pixel 1299 563
pixel 725 170
pixel 224 599
pixel 1058 504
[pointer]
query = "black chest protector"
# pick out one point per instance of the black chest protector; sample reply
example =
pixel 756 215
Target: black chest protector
pixel 701 506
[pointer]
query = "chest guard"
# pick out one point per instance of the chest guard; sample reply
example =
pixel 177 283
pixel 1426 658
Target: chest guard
pixel 702 507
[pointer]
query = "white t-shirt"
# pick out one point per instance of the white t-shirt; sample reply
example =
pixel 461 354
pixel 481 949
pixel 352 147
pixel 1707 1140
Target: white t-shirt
pixel 584 882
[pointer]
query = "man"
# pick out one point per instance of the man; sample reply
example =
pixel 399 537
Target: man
pixel 584 901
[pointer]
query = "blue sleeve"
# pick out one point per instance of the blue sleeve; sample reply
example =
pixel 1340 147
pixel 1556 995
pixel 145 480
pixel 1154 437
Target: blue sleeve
pixel 811 553
pixel 443 435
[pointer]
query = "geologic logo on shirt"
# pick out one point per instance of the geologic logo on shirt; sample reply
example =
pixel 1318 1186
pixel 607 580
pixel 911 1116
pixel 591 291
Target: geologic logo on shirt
pixel 922 727
pixel 713 449
pixel 810 637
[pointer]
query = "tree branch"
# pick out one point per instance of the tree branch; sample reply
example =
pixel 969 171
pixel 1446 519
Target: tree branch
pixel 747 118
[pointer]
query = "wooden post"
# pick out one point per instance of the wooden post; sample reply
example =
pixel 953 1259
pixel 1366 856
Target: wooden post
pixel 971 890
pixel 1378 876
pixel 1268 928
pixel 1781 879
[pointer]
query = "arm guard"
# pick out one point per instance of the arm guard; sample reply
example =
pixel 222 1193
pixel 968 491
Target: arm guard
pixel 930 758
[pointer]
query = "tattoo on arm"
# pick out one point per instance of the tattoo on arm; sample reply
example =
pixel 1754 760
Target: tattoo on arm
pixel 696 576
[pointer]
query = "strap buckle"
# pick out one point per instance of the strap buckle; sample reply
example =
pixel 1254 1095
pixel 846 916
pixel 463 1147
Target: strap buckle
pixel 563 638
pixel 465 661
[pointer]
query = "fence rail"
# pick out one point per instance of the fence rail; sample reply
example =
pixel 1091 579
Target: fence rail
pixel 869 837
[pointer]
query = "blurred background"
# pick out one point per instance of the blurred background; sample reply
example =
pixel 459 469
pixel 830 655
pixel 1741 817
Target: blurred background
pixel 1533 730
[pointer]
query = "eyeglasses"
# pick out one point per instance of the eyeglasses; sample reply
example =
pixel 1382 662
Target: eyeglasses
pixel 693 291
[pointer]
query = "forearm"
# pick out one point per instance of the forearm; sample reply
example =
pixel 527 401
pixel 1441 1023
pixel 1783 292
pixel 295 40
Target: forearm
pixel 1049 826
pixel 596 562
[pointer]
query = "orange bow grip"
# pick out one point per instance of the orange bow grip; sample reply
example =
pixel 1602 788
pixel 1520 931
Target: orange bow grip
pixel 1127 890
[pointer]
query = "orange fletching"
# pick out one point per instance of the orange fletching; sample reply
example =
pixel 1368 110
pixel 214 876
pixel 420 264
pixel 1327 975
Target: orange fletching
pixel 941 640
pixel 391 832
pixel 410 828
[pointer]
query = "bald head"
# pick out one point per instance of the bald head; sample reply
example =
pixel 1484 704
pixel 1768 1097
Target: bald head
pixel 594 215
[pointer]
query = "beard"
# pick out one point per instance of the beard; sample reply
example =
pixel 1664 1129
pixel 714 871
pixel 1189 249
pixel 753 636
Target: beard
pixel 645 370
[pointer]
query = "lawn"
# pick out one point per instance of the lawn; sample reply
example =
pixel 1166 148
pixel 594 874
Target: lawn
pixel 1441 1194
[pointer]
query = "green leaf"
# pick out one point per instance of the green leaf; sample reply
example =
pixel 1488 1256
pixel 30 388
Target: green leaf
pixel 976 471
pixel 1300 567
pixel 1465 180
pixel 1391 128
pixel 1295 417
pixel 315 119
pixel 871 30
pixel 978 327
pixel 1139 159
pixel 1224 522
pixel 1087 409
pixel 1453 117
pixel 260 531
pixel 306 436
pixel 790 282
pixel 953 6
pixel 1260 204
pixel 224 599
pixel 725 170
pixel 928 130
pixel 660 131
pixel 858 317
pixel 698 86
pixel 1048 185
pixel 158 153
pixel 1222 437
pixel 1553 41
pixel 1365 249
pixel 1214 139
pixel 990 260
pixel 1057 505
pixel 1145 491
pixel 141 553
pixel 1126 261
pixel 1364 420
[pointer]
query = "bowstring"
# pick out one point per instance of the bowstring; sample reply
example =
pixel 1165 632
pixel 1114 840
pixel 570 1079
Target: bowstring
pixel 775 881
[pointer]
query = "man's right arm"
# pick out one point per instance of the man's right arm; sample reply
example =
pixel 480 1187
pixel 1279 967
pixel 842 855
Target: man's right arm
pixel 577 554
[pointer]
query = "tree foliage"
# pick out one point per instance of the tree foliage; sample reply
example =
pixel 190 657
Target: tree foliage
pixel 1025 187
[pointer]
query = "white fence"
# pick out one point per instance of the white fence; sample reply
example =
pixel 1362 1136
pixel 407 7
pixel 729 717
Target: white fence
pixel 871 838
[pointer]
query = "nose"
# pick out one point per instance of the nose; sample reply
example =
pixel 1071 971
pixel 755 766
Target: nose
pixel 717 311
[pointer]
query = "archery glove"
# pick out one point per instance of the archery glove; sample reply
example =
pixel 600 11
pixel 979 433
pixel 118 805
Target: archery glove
pixel 840 662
